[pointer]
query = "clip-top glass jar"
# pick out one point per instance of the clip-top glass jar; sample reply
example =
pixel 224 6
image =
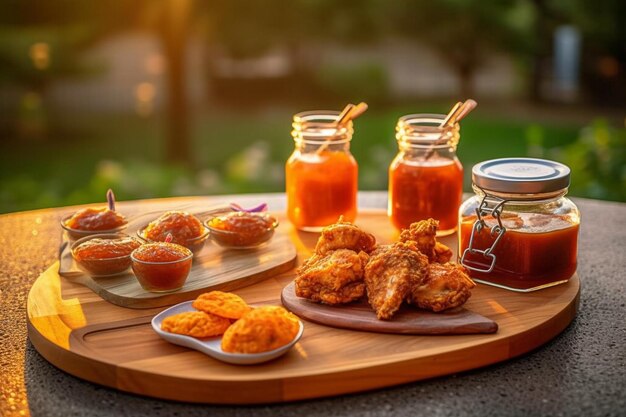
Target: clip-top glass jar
pixel 321 173
pixel 519 231
pixel 426 177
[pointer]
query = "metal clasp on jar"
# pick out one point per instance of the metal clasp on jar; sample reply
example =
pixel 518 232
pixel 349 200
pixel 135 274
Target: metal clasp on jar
pixel 497 231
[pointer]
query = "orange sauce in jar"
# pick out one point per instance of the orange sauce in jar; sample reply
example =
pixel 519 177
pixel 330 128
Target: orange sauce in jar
pixel 419 190
pixel 95 219
pixel 161 266
pixel 536 250
pixel 320 188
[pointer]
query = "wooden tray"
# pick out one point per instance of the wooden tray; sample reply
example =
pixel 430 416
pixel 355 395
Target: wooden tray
pixel 214 268
pixel 408 320
pixel 84 335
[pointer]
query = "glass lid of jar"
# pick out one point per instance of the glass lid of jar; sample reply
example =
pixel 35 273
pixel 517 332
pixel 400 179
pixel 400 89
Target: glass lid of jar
pixel 521 175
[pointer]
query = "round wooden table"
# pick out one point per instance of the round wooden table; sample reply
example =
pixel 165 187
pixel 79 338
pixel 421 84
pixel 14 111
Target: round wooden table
pixel 577 372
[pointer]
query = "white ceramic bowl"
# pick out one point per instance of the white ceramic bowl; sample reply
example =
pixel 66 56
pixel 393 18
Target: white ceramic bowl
pixel 213 346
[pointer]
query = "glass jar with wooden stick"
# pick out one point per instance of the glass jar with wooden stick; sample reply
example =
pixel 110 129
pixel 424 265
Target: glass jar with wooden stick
pixel 321 173
pixel 426 177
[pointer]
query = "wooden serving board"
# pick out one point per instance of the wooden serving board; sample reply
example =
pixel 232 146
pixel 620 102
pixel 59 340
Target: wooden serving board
pixel 408 320
pixel 79 332
pixel 213 268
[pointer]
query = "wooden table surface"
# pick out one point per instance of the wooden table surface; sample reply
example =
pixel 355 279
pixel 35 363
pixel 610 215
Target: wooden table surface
pixel 581 372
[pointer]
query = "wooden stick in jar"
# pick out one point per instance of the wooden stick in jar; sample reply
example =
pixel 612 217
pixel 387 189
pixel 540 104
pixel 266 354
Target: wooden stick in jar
pixel 343 116
pixel 458 112
pixel 350 112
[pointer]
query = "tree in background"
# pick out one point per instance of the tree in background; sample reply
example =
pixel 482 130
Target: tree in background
pixel 171 19
pixel 41 42
pixel 463 32
pixel 297 30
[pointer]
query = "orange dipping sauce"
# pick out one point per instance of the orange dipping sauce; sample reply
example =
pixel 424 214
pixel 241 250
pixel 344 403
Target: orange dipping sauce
pixel 242 229
pixel 95 219
pixel 105 248
pixel 425 189
pixel 109 255
pixel 161 266
pixel 536 250
pixel 320 188
pixel 181 225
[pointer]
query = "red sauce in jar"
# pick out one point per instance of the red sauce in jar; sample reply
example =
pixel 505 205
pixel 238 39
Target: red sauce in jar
pixel 245 229
pixel 161 266
pixel 535 250
pixel 96 219
pixel 183 227
pixel 425 189
pixel 320 188
pixel 98 248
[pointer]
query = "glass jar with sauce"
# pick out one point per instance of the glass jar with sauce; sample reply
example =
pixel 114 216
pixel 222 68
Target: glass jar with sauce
pixel 519 231
pixel 426 177
pixel 321 173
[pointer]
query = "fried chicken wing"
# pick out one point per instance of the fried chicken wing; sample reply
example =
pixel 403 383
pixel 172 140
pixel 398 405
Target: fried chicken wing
pixel 347 264
pixel 391 273
pixel 335 277
pixel 445 286
pixel 344 235
pixel 424 233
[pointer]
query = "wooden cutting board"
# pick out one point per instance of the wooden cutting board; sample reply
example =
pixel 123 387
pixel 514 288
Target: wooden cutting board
pixel 79 332
pixel 213 268
pixel 408 320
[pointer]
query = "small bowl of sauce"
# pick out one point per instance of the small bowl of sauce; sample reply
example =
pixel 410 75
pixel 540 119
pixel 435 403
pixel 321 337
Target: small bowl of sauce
pixel 185 228
pixel 161 266
pixel 104 254
pixel 241 230
pixel 92 221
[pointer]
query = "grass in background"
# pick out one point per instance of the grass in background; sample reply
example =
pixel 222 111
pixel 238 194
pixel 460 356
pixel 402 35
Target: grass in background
pixel 233 154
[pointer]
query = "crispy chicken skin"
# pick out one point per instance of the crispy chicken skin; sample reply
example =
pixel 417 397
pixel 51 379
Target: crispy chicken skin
pixel 335 277
pixel 344 235
pixel 445 286
pixel 390 274
pixel 423 233
pixel 443 254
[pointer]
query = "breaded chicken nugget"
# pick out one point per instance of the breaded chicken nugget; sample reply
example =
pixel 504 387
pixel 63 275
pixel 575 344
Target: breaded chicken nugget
pixel 223 304
pixel 196 324
pixel 261 330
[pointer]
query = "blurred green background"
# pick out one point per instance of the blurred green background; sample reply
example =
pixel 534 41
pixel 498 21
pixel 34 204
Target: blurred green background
pixel 164 98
